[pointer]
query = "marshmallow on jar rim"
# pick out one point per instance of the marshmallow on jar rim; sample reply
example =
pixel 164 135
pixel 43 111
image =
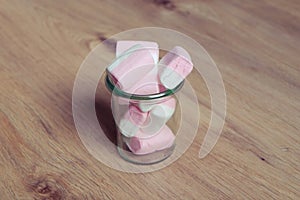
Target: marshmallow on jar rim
pixel 148 84
pixel 148 80
pixel 178 66
pixel 145 86
pixel 124 45
pixel 162 140
pixel 130 66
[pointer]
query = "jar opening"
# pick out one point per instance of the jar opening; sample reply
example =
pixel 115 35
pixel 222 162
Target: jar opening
pixel 119 92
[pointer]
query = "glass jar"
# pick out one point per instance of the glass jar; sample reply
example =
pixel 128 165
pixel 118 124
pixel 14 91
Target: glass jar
pixel 144 137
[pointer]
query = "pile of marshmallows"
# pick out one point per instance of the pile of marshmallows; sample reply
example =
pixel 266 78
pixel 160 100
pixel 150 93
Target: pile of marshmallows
pixel 136 71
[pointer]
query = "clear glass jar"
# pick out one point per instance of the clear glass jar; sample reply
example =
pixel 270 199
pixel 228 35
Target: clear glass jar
pixel 150 141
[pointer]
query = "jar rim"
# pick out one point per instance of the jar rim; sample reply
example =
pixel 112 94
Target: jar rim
pixel 119 92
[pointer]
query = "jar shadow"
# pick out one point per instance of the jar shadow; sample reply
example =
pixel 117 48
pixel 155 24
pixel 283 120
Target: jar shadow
pixel 104 112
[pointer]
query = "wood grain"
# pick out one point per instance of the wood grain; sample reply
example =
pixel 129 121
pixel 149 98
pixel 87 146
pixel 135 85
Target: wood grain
pixel 256 45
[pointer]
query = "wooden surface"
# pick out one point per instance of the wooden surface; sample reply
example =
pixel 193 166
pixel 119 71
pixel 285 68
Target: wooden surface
pixel 256 45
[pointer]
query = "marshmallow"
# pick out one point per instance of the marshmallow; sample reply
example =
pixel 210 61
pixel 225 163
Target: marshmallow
pixel 131 121
pixel 136 61
pixel 124 45
pixel 149 84
pixel 162 140
pixel 133 70
pixel 146 85
pixel 178 67
pixel 146 106
pixel 159 114
pixel 149 123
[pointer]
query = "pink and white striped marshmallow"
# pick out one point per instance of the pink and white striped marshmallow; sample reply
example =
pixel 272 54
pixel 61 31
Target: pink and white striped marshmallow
pixel 131 66
pixel 124 45
pixel 132 121
pixel 159 114
pixel 178 67
pixel 162 140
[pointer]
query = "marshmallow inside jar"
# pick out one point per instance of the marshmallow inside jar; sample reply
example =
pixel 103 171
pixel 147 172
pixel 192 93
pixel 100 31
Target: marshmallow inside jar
pixel 131 121
pixel 163 140
pixel 158 116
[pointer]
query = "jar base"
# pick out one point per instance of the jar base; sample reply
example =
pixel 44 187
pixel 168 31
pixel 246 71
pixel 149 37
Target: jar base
pixel 147 159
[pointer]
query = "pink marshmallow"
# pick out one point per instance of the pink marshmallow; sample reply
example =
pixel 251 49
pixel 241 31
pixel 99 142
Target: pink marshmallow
pixel 149 84
pixel 131 66
pixel 124 45
pixel 134 71
pixel 162 140
pixel 146 85
pixel 178 67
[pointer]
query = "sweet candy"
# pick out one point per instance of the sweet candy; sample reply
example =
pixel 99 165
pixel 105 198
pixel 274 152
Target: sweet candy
pixel 132 120
pixel 148 122
pixel 124 45
pixel 149 84
pixel 158 115
pixel 134 71
pixel 162 140
pixel 130 66
pixel 178 66
pixel 137 71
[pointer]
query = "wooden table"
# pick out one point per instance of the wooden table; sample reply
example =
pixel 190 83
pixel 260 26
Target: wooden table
pixel 256 45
